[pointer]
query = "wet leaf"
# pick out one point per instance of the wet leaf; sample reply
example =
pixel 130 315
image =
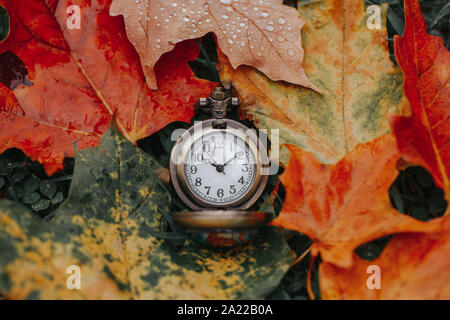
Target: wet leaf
pixel 344 205
pixel 260 33
pixel 31 198
pixel 108 227
pixel 59 197
pixel 30 185
pixel 424 137
pixel 349 63
pixel 19 175
pixel 80 77
pixel 40 205
pixel 48 188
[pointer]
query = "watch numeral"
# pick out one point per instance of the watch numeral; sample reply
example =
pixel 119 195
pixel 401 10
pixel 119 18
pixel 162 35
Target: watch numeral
pixel 208 188
pixel 245 168
pixel 220 193
pixel 193 169
pixel 241 180
pixel 198 182
pixel 232 189
pixel 199 157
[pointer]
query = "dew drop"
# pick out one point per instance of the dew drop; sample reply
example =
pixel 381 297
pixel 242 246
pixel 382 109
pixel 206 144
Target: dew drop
pixel 185 19
pixel 290 52
pixel 269 28
pixel 281 21
pixel 264 14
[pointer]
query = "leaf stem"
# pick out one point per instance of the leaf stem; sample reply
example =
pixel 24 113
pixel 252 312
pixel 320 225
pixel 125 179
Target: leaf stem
pixel 303 255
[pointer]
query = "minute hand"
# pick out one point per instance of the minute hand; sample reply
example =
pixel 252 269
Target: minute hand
pixel 234 157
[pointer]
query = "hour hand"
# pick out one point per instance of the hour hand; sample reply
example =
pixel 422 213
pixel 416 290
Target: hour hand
pixel 218 167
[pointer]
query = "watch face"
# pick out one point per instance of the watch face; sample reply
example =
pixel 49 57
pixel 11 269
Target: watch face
pixel 220 168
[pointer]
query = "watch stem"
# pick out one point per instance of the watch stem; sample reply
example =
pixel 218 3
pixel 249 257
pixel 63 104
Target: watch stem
pixel 218 94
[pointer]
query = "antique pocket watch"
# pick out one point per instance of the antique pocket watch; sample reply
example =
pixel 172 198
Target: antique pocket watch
pixel 219 168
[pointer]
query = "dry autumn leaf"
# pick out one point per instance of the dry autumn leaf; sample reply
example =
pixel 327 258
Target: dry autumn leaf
pixel 109 228
pixel 424 138
pixel 81 77
pixel 260 33
pixel 344 205
pixel 349 63
pixel 412 266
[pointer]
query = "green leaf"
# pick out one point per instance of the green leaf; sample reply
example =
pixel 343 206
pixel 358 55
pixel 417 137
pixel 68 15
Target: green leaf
pixel 107 227
pixel 19 175
pixel 59 197
pixel 31 198
pixel 396 22
pixel 3 166
pixel 48 188
pixel 420 213
pixel 423 177
pixel 42 204
pixel 396 198
pixel 30 185
pixel 4 23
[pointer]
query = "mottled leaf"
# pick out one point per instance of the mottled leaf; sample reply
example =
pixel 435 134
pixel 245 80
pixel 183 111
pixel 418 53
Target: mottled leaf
pixel 349 63
pixel 109 227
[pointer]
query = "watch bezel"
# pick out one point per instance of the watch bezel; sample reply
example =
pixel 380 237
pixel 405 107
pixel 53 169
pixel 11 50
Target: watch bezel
pixel 182 146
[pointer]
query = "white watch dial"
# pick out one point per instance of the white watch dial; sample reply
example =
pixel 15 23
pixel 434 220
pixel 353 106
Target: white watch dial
pixel 220 168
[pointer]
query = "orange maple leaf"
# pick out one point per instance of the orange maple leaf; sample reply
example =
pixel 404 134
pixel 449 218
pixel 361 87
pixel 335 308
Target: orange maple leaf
pixel 344 205
pixel 261 33
pixel 80 77
pixel 424 137
pixel 412 266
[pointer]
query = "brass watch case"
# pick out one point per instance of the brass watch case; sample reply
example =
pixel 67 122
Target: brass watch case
pixel 181 149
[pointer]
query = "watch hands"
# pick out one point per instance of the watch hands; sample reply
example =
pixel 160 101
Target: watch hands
pixel 234 157
pixel 218 167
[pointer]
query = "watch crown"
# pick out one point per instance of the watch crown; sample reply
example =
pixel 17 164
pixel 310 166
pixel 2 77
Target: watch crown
pixel 218 94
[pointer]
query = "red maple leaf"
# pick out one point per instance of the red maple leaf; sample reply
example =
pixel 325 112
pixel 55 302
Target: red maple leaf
pixel 80 77
pixel 424 137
